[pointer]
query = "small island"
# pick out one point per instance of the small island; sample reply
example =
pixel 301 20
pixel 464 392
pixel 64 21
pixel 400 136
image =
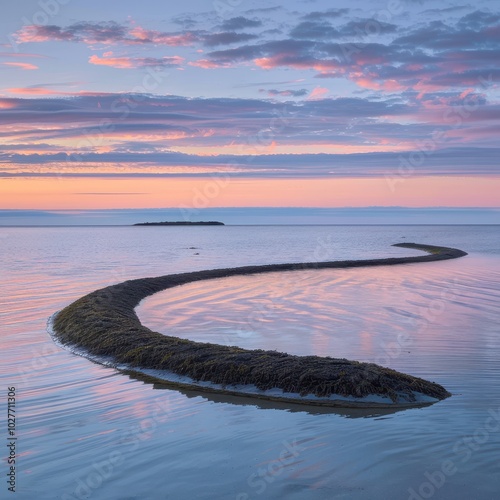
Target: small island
pixel 181 223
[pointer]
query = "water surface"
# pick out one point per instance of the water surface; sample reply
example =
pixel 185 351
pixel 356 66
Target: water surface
pixel 87 431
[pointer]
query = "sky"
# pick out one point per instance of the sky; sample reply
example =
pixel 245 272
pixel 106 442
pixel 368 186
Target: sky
pixel 208 104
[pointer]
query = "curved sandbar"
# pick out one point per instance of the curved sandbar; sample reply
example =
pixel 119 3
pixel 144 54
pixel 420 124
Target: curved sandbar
pixel 104 324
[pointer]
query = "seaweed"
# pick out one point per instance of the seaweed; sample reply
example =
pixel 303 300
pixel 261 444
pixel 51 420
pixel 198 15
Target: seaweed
pixel 104 323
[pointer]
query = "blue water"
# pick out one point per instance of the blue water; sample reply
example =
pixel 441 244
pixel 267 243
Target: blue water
pixel 87 431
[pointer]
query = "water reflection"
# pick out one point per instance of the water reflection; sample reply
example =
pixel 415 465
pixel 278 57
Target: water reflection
pixel 75 414
pixel 290 407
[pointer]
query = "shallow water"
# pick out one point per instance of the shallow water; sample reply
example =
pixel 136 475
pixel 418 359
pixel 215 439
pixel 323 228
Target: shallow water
pixel 87 431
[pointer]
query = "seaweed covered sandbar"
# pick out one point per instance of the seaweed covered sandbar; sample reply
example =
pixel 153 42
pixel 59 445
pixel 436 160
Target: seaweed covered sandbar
pixel 104 324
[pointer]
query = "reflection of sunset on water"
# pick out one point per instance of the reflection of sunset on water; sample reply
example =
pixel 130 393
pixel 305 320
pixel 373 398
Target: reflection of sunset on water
pixel 402 317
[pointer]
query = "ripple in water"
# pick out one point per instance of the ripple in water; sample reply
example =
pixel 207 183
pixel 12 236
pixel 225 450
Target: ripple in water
pixel 75 416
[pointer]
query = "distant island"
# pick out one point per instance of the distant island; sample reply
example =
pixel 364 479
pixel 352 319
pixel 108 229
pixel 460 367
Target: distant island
pixel 181 223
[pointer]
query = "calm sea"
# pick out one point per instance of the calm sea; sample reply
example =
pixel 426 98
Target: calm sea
pixel 87 431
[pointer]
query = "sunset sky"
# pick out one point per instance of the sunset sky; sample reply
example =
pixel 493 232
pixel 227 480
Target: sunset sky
pixel 246 103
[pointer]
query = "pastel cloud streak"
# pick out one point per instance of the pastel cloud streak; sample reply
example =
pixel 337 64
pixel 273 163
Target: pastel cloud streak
pixel 108 59
pixel 21 65
pixel 176 135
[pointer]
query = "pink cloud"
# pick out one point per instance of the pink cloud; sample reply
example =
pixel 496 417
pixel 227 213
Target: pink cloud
pixel 7 104
pixel 22 55
pixel 114 62
pixel 32 34
pixel 25 66
pixel 134 62
pixel 285 60
pixel 207 64
pixel 266 62
pixel 387 85
pixel 32 91
pixel 46 91
pixel 103 33
pixel 318 93
pixel 156 37
pixel 465 93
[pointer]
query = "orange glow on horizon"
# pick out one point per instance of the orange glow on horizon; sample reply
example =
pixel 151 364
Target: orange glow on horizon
pixel 226 191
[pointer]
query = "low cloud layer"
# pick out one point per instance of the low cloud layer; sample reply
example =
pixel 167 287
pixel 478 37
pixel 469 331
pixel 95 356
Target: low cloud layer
pixel 445 134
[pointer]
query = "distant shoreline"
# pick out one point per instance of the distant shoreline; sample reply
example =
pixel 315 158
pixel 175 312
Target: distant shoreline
pixel 104 324
pixel 181 223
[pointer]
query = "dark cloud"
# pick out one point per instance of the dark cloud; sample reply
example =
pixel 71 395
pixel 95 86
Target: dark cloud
pixel 274 31
pixel 314 30
pixel 227 38
pixel 187 21
pixel 77 32
pixel 259 84
pixel 285 93
pixel 477 30
pixel 27 146
pixel 139 146
pixel 240 23
pixel 463 99
pixel 447 10
pixel 264 10
pixel 479 19
pixel 367 28
pixel 139 128
pixel 289 47
pixel 481 78
pixel 447 161
pixel 104 33
pixel 356 107
pixel 326 14
pixel 243 53
pixel 360 29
